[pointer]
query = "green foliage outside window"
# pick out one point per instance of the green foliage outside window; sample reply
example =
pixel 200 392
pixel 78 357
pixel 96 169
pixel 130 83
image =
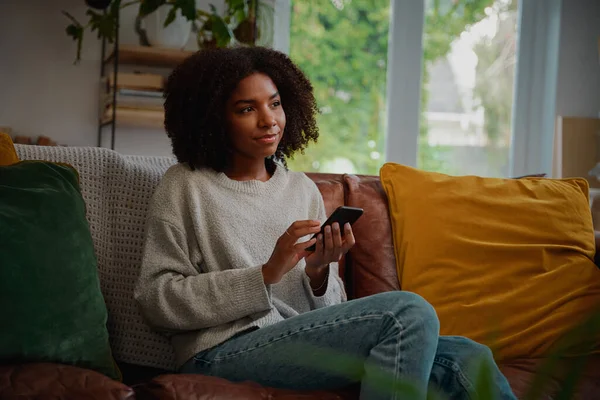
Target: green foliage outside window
pixel 342 46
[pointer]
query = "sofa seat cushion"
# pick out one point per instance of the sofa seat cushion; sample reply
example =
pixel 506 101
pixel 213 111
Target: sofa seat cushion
pixel 199 387
pixel 56 381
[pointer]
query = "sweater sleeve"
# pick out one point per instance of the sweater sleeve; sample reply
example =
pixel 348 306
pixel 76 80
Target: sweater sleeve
pixel 174 296
pixel 335 292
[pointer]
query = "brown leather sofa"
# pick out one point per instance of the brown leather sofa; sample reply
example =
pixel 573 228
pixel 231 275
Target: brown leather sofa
pixel 369 268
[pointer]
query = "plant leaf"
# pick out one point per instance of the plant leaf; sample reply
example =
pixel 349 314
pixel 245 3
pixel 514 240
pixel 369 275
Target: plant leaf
pixel 238 9
pixel 236 4
pixel 105 24
pixel 240 15
pixel 171 16
pixel 114 8
pixel 149 6
pixel 187 7
pixel 72 18
pixel 221 31
pixel 484 385
pixel 76 32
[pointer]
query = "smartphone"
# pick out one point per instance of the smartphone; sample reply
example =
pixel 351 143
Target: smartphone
pixel 341 215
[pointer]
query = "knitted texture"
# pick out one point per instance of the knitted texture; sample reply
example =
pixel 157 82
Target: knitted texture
pixel 117 191
pixel 208 237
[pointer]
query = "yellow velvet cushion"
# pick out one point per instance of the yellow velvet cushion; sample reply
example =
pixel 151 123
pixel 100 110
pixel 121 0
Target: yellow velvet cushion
pixel 8 155
pixel 505 262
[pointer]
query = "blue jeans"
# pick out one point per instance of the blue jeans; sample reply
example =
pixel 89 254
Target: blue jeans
pixel 388 342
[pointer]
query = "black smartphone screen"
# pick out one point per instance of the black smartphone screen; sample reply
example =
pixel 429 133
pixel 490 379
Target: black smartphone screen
pixel 341 215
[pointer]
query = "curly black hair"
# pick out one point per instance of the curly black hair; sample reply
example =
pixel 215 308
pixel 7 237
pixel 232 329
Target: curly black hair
pixel 197 90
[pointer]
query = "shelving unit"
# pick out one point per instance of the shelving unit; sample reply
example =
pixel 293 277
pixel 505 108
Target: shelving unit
pixel 149 56
pixel 139 119
pixel 111 115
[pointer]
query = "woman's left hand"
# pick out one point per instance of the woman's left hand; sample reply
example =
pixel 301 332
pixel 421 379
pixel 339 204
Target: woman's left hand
pixel 331 246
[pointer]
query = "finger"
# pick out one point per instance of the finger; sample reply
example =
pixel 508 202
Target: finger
pixel 305 224
pixel 301 247
pixel 319 247
pixel 296 234
pixel 303 228
pixel 328 240
pixel 349 240
pixel 337 236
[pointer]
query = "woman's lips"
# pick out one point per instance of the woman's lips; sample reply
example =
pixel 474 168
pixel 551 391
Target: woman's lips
pixel 267 139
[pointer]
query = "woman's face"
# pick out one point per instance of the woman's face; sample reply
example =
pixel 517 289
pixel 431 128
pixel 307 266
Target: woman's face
pixel 255 117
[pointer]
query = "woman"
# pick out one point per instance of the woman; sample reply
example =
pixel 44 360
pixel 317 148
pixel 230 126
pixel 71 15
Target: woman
pixel 226 273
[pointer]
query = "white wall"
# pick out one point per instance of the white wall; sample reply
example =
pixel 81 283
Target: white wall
pixel 43 93
pixel 578 86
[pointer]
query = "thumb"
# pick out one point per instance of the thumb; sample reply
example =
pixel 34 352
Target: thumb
pixel 301 249
pixel 304 254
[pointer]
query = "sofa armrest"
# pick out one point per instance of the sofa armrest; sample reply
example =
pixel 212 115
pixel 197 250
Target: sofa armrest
pixel 57 381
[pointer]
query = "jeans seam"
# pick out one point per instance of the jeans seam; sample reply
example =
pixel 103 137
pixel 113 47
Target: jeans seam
pixel 398 351
pixel 200 360
pixel 455 367
pixel 325 325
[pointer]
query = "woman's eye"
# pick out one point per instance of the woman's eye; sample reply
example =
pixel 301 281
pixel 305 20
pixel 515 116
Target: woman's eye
pixel 246 110
pixel 277 103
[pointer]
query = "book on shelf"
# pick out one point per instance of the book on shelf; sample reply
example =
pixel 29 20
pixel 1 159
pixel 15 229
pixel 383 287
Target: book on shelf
pixel 140 93
pixel 136 117
pixel 138 81
pixel 142 102
pixel 138 99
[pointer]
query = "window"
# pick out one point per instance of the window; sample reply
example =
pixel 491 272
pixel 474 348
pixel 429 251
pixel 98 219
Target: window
pixel 429 83
pixel 342 46
pixel 467 93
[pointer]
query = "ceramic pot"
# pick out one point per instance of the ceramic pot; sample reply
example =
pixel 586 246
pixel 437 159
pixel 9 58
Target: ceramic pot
pixel 175 35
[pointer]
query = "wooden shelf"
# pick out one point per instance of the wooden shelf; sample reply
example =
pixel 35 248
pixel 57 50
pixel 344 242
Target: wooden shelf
pixel 150 56
pixel 137 118
pixel 142 57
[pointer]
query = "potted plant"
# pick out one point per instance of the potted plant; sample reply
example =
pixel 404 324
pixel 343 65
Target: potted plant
pixel 236 25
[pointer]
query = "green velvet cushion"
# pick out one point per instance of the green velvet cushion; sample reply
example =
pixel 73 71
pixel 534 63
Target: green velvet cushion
pixel 51 307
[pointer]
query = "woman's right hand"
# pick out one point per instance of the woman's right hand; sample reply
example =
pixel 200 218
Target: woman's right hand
pixel 288 252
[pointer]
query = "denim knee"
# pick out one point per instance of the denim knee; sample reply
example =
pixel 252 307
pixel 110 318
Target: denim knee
pixel 465 349
pixel 409 306
pixel 474 348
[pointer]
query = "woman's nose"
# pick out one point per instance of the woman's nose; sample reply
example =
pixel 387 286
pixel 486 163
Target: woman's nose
pixel 267 119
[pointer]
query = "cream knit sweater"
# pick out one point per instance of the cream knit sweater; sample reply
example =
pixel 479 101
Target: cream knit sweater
pixel 206 241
